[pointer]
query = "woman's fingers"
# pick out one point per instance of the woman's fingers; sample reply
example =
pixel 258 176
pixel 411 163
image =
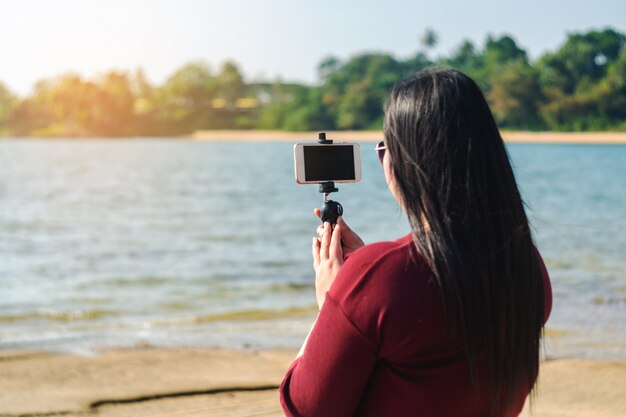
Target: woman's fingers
pixel 335 251
pixel 343 223
pixel 317 212
pixel 347 231
pixel 350 239
pixel 325 241
pixel 315 249
pixel 327 259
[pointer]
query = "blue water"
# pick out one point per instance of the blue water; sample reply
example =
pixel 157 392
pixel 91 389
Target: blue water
pixel 169 242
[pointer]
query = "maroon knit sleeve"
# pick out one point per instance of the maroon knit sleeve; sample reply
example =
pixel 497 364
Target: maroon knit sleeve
pixel 330 377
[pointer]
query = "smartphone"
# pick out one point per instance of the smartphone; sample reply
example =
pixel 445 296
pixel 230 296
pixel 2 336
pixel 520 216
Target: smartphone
pixel 315 163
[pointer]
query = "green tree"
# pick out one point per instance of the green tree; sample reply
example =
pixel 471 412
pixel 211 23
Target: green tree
pixel 581 61
pixel 465 58
pixel 145 105
pixel 7 104
pixel 327 66
pixel 70 106
pixel 414 64
pixel 230 85
pixel 429 39
pixel 497 52
pixel 355 92
pixel 311 114
pixel 239 110
pixel 113 111
pixel 275 102
pixel 581 82
pixel 61 106
pixel 613 104
pixel 483 64
pixel 296 108
pixel 184 102
pixel 515 95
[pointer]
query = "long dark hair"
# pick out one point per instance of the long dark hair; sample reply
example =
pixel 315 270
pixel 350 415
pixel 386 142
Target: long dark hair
pixel 453 176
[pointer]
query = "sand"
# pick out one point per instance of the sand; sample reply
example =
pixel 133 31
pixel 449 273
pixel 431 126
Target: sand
pixel 614 138
pixel 214 382
pixel 138 382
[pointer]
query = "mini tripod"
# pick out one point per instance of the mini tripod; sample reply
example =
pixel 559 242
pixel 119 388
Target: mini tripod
pixel 332 209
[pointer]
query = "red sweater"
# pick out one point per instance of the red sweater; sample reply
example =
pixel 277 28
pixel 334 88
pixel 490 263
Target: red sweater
pixel 379 345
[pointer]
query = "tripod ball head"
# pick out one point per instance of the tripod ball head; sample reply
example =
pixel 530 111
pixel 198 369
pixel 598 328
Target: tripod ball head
pixel 331 211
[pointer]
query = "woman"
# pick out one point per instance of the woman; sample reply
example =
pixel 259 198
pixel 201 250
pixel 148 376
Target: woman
pixel 447 320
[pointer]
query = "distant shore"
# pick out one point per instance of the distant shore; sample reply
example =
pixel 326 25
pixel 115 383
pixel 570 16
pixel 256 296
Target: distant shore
pixel 590 138
pixel 148 382
pixel 605 138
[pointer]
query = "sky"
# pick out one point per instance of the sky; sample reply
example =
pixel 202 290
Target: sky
pixel 266 38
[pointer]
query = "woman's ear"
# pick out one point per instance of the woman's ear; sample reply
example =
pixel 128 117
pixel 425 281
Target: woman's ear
pixel 390 178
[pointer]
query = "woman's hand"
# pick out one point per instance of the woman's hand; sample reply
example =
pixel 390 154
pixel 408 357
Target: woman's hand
pixel 350 241
pixel 327 260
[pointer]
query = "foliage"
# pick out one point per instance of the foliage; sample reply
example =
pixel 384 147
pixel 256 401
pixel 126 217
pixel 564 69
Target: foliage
pixel 7 103
pixel 515 95
pixel 583 82
pixel 580 86
pixel 355 92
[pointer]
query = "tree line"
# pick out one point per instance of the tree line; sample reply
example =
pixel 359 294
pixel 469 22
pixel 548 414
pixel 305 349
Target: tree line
pixel 579 87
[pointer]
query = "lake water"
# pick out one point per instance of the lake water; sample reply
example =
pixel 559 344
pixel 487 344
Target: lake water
pixel 169 242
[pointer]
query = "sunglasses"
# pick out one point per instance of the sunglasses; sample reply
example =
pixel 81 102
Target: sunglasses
pixel 380 149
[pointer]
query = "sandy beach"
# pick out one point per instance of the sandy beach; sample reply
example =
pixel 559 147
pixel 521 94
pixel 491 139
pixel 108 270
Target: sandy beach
pixel 147 382
pixel 605 138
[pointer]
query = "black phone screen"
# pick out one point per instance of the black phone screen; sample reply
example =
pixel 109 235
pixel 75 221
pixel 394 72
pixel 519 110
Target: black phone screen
pixel 329 163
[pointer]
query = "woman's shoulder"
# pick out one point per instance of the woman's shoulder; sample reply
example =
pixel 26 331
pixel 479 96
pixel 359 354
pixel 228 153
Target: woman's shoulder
pixel 382 273
pixel 383 253
pixel 383 264
pixel 386 287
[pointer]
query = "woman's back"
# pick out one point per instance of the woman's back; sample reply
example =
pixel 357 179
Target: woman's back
pixel 384 346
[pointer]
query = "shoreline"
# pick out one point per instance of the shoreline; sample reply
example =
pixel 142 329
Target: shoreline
pixel 597 138
pixel 145 382
pixel 547 137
